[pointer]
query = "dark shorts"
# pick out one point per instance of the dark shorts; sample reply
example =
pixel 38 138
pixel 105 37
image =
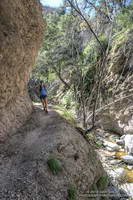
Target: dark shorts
pixel 43 96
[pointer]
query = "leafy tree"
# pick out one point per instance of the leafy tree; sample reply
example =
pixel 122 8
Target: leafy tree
pixel 75 48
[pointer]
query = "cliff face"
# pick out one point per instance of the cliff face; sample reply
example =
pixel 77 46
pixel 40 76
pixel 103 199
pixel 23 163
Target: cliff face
pixel 20 38
pixel 117 116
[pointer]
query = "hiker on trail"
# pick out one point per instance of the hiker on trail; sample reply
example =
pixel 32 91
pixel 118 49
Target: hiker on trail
pixel 43 96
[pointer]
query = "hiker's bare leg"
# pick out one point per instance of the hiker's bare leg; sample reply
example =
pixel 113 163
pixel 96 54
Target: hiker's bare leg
pixel 43 103
pixel 46 103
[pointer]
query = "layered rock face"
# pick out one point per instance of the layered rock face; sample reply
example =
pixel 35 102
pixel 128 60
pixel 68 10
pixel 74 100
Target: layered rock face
pixel 20 38
pixel 118 114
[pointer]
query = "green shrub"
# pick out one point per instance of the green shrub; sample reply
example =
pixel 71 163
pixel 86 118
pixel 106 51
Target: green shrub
pixel 102 183
pixel 125 17
pixel 54 165
pixel 99 144
pixel 91 135
pixel 93 188
pixel 68 115
pixel 72 192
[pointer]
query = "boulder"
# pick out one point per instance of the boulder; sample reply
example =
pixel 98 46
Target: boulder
pixel 111 146
pixel 21 25
pixel 115 162
pixel 122 137
pixel 130 167
pixel 114 193
pixel 118 175
pixel 127 159
pixel 128 140
pixel 120 142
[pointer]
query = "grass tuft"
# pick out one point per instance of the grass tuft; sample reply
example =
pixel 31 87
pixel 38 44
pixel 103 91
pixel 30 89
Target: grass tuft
pixel 102 182
pixel 66 114
pixel 72 192
pixel 54 165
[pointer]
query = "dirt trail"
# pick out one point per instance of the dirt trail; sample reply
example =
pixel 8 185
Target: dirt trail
pixel 24 174
pixel 24 146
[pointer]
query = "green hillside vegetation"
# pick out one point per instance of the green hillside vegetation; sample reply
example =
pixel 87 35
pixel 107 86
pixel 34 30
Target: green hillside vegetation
pixel 72 55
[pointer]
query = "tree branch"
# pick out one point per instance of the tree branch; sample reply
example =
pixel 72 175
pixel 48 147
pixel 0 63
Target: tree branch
pixel 84 18
pixel 101 12
pixel 62 80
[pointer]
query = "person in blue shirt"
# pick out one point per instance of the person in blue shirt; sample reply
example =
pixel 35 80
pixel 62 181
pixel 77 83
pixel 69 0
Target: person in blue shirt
pixel 43 96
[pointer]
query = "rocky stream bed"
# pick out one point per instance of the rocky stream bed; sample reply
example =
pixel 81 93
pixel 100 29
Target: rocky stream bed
pixel 117 161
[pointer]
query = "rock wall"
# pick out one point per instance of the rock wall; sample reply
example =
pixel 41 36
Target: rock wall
pixel 21 28
pixel 118 115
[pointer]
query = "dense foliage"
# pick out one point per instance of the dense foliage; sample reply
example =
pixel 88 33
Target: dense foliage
pixel 71 51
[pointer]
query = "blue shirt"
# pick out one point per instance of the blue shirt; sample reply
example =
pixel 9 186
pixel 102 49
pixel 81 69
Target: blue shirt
pixel 43 91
